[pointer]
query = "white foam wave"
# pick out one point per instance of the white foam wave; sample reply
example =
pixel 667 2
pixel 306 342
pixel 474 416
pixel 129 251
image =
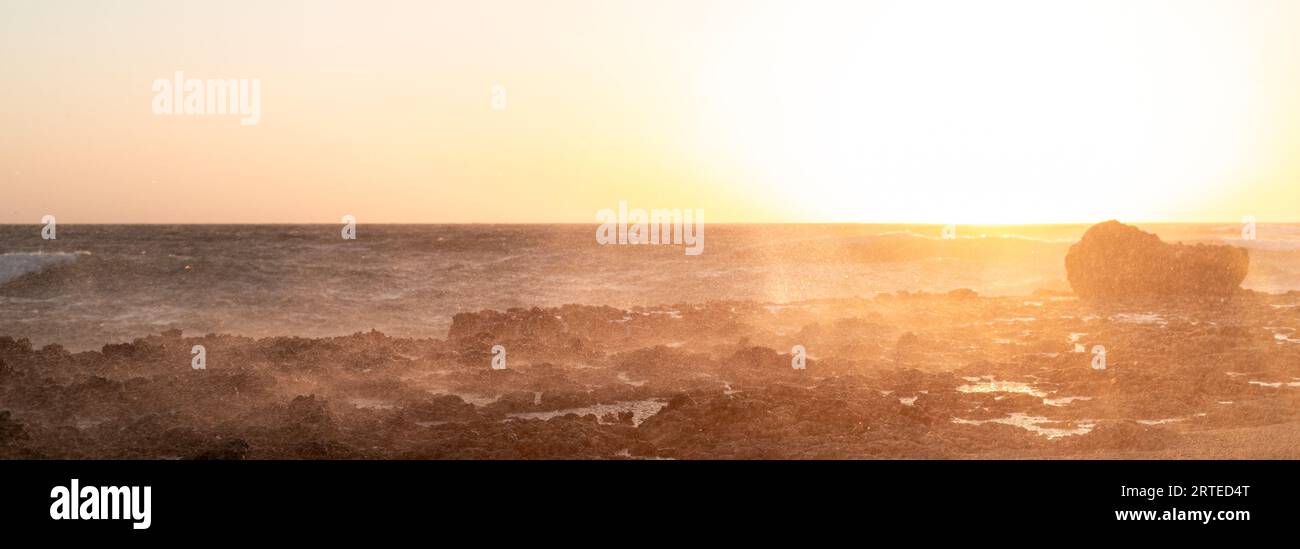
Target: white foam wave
pixel 16 264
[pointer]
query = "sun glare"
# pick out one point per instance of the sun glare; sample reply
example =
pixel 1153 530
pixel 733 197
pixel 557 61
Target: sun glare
pixel 1019 113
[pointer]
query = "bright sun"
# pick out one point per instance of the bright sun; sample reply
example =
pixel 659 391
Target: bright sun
pixel 1020 113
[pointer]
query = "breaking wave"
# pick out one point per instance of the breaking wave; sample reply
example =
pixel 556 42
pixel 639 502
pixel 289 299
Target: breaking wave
pixel 17 264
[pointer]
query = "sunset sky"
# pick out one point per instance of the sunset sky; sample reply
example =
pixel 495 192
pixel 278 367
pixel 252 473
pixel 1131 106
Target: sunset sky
pixel 936 112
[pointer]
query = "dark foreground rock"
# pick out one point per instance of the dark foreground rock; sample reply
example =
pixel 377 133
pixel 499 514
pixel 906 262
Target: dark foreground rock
pixel 898 376
pixel 1114 260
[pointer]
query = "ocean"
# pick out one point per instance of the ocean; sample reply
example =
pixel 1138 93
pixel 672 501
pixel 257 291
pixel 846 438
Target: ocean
pixel 99 284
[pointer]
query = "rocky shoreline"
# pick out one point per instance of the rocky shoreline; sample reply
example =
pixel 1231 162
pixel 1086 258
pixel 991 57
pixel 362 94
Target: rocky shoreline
pixel 904 375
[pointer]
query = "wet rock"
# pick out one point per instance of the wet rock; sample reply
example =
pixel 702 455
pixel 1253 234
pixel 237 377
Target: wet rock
pixel 1118 261
pixel 963 293
pixel 234 449
pixel 1125 435
pixel 759 358
pixel 620 418
pixel 441 408
pixel 531 324
pixel 11 432
pixel 907 349
pixel 678 402
pixel 971 366
pixel 309 414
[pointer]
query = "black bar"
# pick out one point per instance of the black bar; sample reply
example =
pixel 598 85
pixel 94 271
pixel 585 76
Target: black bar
pixel 460 498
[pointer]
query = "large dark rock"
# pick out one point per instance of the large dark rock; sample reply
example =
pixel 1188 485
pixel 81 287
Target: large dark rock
pixel 1114 260
pixel 10 431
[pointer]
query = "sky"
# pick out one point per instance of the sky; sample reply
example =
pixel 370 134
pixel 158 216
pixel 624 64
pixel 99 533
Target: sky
pixel 990 112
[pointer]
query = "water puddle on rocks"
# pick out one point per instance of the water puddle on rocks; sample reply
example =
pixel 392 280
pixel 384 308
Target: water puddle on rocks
pixel 1275 384
pixel 1169 420
pixel 1074 342
pixel 478 400
pixel 1013 319
pixel 641 411
pixel 1034 424
pixel 987 384
pixel 1282 334
pixel 622 377
pixel 1063 401
pixel 83 424
pixel 1140 318
pixel 626 453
